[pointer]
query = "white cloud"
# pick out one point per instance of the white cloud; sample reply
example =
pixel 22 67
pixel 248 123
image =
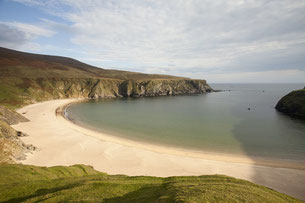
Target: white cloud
pixel 32 2
pixel 278 76
pixel 185 37
pixel 21 36
pixel 30 30
pixel 11 37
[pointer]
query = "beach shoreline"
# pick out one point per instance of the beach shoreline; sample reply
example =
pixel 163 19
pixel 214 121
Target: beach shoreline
pixel 61 142
pixel 163 149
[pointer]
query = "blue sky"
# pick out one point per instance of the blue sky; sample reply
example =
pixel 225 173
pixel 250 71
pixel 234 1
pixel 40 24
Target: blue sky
pixel 220 41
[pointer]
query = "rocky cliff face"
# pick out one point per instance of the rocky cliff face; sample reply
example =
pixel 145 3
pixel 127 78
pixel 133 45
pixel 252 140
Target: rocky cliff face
pixel 293 104
pixel 132 88
pixel 35 90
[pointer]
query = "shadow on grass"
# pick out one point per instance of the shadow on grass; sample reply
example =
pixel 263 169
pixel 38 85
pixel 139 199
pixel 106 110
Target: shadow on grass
pixel 281 148
pixel 144 194
pixel 44 191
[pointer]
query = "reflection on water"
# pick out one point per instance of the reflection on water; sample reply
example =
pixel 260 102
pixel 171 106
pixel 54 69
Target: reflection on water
pixel 239 121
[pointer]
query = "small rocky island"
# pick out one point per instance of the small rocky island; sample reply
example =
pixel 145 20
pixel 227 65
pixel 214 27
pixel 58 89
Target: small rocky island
pixel 293 104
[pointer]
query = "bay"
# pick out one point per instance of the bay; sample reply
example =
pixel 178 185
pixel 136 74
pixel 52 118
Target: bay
pixel 239 121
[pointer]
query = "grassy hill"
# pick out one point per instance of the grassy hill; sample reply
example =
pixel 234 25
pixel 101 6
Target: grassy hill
pixel 28 78
pixel 26 65
pixel 82 183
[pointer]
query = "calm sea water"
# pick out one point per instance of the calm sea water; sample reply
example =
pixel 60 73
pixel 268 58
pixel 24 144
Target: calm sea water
pixel 217 122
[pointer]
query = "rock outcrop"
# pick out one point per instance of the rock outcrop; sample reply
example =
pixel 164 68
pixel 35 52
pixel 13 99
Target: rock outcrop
pixel 293 104
pixel 12 149
pixel 131 88
pixel 11 117
pixel 41 89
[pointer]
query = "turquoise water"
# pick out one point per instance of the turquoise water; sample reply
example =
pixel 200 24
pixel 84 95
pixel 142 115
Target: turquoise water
pixel 217 122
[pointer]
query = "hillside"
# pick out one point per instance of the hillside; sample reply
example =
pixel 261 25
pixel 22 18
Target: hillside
pixel 28 78
pixel 20 64
pixel 293 104
pixel 82 183
pixel 11 117
pixel 12 149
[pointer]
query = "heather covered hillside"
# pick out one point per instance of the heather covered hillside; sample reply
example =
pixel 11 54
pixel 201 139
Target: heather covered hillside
pixel 28 78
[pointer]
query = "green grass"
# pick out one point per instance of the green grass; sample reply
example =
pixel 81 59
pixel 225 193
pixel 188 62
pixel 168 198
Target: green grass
pixel 82 183
pixel 9 93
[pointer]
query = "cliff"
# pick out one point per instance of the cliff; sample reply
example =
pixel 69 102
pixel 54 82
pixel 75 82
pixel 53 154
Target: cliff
pixel 28 78
pixel 28 90
pixel 162 87
pixel 293 104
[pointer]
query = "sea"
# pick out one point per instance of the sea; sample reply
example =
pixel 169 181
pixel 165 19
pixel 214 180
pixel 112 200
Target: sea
pixel 239 120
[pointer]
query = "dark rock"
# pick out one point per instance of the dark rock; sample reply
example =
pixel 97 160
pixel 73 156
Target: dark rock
pixel 31 147
pixel 21 134
pixel 293 104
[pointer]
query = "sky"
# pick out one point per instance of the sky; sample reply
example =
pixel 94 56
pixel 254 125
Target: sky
pixel 222 41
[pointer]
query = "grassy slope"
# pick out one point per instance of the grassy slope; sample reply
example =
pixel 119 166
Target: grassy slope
pixel 82 183
pixel 24 76
pixel 11 147
pixel 25 65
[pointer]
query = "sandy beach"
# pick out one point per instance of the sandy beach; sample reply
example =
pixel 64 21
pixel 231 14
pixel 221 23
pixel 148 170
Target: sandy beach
pixel 61 142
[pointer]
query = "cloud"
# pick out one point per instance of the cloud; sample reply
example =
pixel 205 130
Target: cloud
pixel 11 37
pixel 21 36
pixel 276 76
pixel 186 37
pixel 31 31
pixel 31 2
